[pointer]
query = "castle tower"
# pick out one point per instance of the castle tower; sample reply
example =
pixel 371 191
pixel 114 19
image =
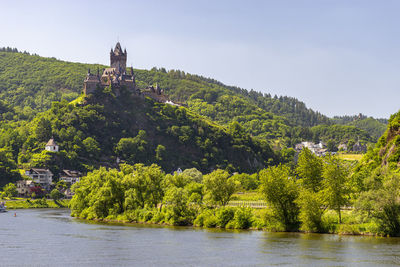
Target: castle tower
pixel 118 59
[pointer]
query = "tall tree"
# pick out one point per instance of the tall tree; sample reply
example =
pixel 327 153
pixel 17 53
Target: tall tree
pixel 335 184
pixel 280 191
pixel 309 168
pixel 219 186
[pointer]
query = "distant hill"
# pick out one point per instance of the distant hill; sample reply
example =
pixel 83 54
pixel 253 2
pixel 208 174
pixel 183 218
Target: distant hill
pixel 374 127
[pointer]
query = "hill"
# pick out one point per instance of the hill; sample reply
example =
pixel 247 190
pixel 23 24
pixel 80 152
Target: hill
pixel 135 130
pixel 386 153
pixel 30 83
pixel 374 127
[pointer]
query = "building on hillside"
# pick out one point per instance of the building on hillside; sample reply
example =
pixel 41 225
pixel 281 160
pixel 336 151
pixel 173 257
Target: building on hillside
pixel 156 93
pixel 115 76
pixel 44 177
pixel 317 149
pixel 52 145
pixel 24 187
pixel 70 177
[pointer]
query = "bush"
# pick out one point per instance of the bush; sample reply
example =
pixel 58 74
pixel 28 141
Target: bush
pixel 224 215
pixel 243 218
pixel 199 221
pixel 211 221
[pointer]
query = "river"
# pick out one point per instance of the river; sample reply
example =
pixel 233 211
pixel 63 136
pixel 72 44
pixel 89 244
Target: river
pixel 48 237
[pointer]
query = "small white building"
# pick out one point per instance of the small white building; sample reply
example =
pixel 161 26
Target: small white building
pixel 52 146
pixel 44 177
pixel 70 177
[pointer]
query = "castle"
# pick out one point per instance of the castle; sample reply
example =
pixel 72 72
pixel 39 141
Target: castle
pixel 116 75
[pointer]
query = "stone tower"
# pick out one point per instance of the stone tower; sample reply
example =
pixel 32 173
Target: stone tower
pixel 118 59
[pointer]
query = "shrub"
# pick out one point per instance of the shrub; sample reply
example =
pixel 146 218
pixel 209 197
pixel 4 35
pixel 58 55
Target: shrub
pixel 224 215
pixel 243 218
pixel 199 221
pixel 210 221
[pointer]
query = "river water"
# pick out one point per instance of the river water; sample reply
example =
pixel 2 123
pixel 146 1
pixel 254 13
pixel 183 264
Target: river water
pixel 47 237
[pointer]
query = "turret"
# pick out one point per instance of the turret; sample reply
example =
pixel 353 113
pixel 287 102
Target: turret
pixel 118 58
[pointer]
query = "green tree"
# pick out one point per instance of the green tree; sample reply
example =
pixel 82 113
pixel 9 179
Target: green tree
pixel 43 130
pixel 350 144
pixel 55 194
pixel 280 191
pixel 195 174
pixel 98 194
pixel 8 167
pixel 219 186
pixel 10 190
pixel 331 146
pixel 160 152
pixel 310 215
pixel 133 149
pixel 247 181
pixel 335 184
pixel 383 204
pixel 91 147
pixel 143 185
pixel 177 202
pixel 309 168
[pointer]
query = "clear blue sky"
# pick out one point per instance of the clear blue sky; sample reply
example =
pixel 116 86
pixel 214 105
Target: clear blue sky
pixel 339 57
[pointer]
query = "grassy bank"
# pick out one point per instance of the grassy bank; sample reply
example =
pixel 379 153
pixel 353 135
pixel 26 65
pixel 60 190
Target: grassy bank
pixel 35 203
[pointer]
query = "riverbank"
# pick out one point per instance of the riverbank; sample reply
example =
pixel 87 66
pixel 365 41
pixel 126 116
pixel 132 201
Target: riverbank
pixel 245 219
pixel 36 203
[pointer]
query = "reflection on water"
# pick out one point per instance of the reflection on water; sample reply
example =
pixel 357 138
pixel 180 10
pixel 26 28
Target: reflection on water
pixel 53 238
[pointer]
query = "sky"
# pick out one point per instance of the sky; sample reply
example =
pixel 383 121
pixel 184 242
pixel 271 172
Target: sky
pixel 340 57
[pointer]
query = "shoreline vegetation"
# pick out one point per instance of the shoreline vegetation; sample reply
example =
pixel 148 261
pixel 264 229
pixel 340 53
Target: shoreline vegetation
pixel 35 203
pixel 308 197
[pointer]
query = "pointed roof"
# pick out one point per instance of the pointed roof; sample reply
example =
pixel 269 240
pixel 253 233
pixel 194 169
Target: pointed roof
pixel 118 49
pixel 51 142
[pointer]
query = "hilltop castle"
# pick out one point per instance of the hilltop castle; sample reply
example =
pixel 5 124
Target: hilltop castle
pixel 116 75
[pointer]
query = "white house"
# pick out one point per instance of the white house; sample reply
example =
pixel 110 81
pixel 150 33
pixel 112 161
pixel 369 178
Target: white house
pixel 44 177
pixel 52 146
pixel 70 177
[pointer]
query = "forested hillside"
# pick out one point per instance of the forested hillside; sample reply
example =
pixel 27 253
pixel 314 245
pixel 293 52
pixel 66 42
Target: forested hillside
pixel 133 129
pixel 30 83
pixel 374 127
pixel 385 155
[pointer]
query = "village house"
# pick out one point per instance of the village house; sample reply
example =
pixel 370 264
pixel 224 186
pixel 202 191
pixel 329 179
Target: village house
pixel 24 187
pixel 52 146
pixel 317 149
pixel 70 177
pixel 44 177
